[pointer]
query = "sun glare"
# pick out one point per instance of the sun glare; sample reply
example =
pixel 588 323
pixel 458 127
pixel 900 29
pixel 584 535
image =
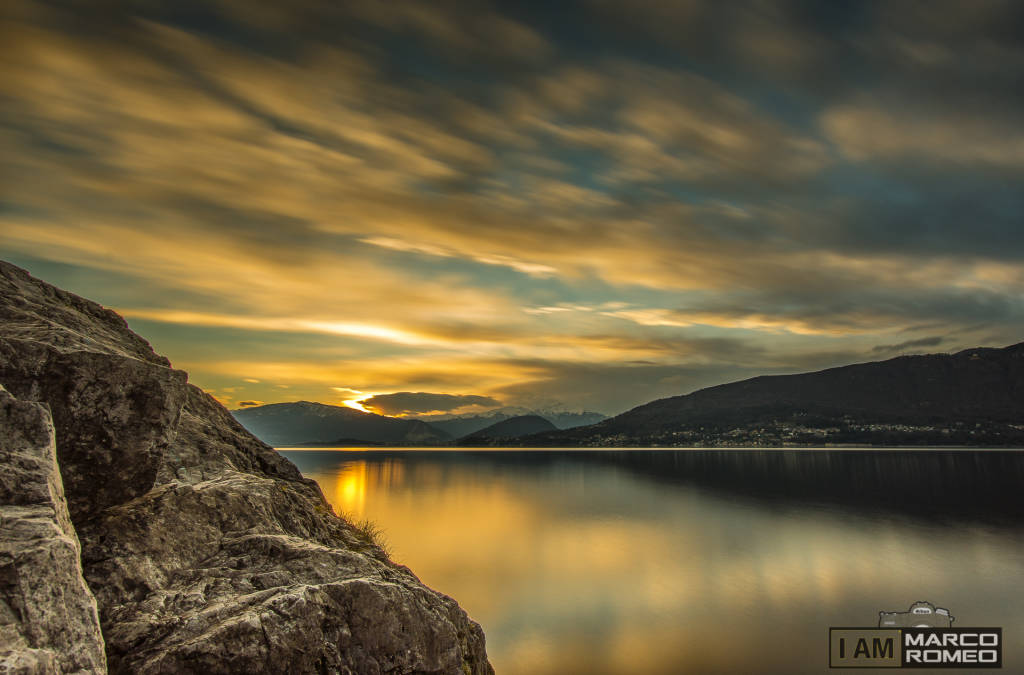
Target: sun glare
pixel 356 402
pixel 356 405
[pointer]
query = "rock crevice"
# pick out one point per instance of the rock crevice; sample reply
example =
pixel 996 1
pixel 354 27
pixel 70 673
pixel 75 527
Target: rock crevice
pixel 48 619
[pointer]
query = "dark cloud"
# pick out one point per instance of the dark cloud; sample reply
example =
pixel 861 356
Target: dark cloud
pixel 407 402
pixel 791 40
pixel 723 349
pixel 858 302
pixel 249 404
pixel 613 388
pixel 909 345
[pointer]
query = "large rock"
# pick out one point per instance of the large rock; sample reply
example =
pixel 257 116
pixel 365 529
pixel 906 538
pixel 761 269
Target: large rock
pixel 48 620
pixel 207 551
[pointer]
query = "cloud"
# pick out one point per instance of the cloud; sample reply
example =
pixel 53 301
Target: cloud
pixel 266 142
pixel 614 388
pixel 909 345
pixel 407 402
pixel 249 404
pixel 463 31
pixel 775 40
pixel 532 269
pixel 861 311
pixel 669 124
pixel 745 319
pixel 284 324
pixel 873 129
pixel 453 197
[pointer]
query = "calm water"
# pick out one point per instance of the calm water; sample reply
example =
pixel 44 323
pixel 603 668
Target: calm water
pixel 653 561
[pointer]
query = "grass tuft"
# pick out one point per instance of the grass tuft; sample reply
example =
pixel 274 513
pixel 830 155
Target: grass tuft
pixel 370 533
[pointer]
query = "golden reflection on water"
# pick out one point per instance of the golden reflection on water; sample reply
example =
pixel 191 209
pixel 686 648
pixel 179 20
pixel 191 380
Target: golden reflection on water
pixel 349 489
pixel 604 572
pixel 351 480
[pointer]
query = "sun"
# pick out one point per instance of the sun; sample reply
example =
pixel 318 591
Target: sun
pixel 355 402
pixel 356 405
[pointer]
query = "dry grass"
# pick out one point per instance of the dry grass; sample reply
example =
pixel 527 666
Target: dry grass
pixel 369 532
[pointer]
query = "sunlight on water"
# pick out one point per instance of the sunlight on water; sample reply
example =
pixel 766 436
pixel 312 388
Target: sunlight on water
pixel 349 489
pixel 588 563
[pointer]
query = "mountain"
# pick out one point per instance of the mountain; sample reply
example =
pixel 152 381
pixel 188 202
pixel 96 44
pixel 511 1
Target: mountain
pixel 973 397
pixel 303 422
pixel 143 530
pixel 514 427
pixel 458 426
pixel 571 420
pixel 306 423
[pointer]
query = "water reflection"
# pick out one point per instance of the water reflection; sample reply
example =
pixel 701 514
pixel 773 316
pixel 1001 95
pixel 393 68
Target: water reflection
pixel 349 492
pixel 682 561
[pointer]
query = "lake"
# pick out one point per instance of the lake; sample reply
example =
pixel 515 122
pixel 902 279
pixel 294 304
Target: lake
pixel 702 561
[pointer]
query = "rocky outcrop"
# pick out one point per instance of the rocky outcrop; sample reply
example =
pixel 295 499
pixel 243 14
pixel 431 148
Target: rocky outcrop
pixel 48 621
pixel 207 551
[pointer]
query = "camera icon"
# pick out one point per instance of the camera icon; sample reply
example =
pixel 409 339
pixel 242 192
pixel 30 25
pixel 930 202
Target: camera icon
pixel 920 615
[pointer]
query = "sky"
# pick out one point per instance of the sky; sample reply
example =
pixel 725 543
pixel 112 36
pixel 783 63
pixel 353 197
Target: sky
pixel 452 206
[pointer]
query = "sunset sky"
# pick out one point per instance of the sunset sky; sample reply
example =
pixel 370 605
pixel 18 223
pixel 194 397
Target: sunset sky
pixel 586 205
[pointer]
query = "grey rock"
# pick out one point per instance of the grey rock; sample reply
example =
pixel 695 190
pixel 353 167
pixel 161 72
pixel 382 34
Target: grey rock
pixel 207 551
pixel 48 618
pixel 114 415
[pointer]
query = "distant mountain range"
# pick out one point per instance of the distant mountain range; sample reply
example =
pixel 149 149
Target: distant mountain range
pixel 303 422
pixel 512 428
pixel 458 426
pixel 974 397
pixel 318 424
